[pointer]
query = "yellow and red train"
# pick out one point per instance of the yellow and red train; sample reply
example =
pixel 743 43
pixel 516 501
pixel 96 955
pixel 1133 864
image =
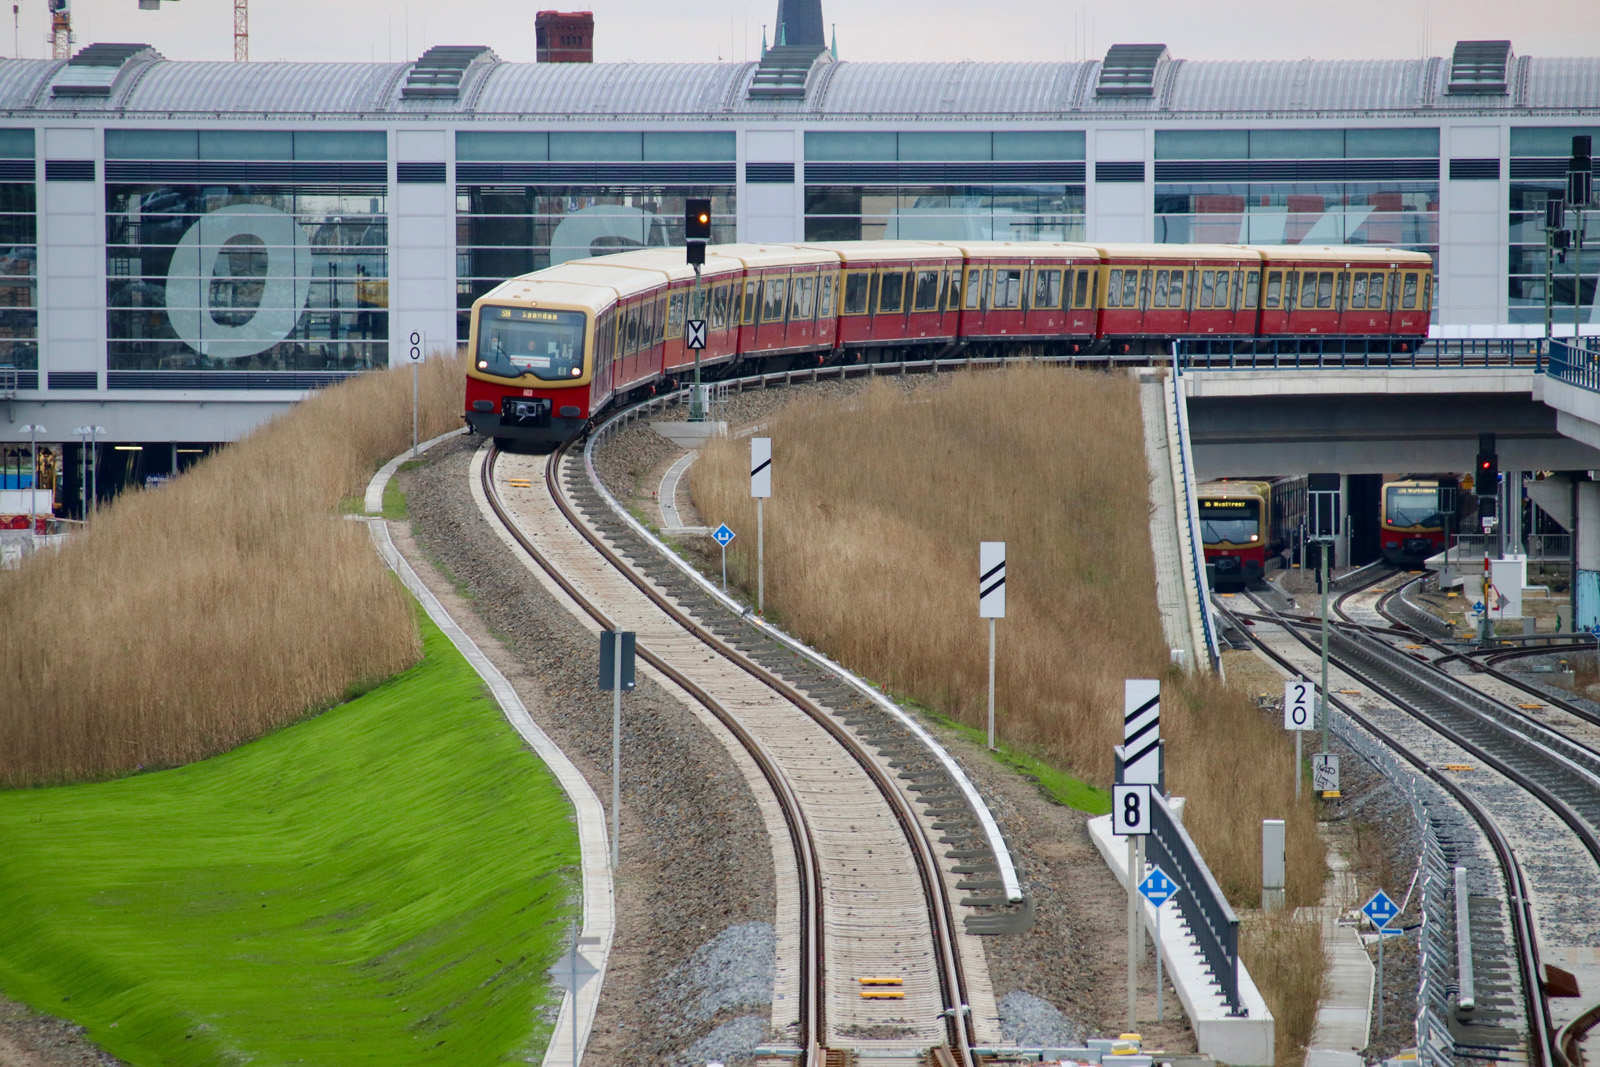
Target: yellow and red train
pixel 1245 522
pixel 553 348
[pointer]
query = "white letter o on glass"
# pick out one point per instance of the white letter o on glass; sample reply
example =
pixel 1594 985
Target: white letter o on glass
pixel 286 286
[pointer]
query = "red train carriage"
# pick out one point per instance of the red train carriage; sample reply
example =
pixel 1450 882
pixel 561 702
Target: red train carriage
pixel 1415 519
pixel 1244 523
pixel 552 348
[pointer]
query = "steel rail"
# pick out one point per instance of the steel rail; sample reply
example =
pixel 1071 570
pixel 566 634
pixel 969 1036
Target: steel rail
pixel 940 907
pixel 807 861
pixel 1543 1051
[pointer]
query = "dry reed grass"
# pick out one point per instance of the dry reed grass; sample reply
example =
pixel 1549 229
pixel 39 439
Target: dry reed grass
pixel 190 618
pixel 872 554
pixel 1284 955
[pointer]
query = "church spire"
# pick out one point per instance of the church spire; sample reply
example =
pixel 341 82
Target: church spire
pixel 800 24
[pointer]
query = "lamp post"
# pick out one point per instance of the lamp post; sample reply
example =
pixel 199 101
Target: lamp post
pixel 90 467
pixel 33 431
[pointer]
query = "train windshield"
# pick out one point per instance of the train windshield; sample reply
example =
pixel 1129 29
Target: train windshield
pixel 1413 505
pixel 546 344
pixel 1237 522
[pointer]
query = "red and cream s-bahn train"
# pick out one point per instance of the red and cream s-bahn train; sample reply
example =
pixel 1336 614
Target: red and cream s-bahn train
pixel 551 349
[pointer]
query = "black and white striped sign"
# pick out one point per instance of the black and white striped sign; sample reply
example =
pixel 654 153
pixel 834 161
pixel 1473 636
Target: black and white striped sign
pixel 760 466
pixel 1141 731
pixel 695 334
pixel 991 579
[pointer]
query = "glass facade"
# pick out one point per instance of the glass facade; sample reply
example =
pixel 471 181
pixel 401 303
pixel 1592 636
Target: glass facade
pixel 947 186
pixel 1538 172
pixel 19 252
pixel 286 273
pixel 1316 186
pixel 529 200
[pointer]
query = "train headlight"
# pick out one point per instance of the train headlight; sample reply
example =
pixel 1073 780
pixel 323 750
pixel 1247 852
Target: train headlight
pixel 576 371
pixel 1254 537
pixel 483 364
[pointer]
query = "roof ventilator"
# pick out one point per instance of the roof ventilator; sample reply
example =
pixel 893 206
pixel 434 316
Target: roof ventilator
pixel 95 69
pixel 784 71
pixel 439 72
pixel 1480 67
pixel 1130 70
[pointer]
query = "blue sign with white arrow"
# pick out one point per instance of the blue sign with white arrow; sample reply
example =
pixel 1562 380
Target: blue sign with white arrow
pixel 1380 909
pixel 1158 888
pixel 722 535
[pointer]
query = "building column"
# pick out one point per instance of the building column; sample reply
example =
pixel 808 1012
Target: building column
pixel 1586 572
pixel 1342 550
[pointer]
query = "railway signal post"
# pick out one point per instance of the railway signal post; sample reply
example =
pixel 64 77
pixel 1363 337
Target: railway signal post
pixel 761 488
pixel 991 604
pixel 616 674
pixel 696 233
pixel 1580 190
pixel 1323 494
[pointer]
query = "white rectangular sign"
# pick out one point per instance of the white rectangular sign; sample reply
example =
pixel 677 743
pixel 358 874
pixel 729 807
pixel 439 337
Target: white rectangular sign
pixel 1141 731
pixel 991 579
pixel 1130 810
pixel 1325 772
pixel 761 466
pixel 1299 705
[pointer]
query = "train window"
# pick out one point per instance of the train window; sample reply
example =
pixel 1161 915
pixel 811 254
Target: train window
pixel 805 297
pixel 630 331
pixel 1291 287
pixel 890 291
pixel 825 296
pixel 1144 289
pixel 926 297
pixel 1342 296
pixel 1047 289
pixel 855 292
pixel 1375 290
pixel 1208 287
pixel 1308 289
pixel 1114 290
pixel 974 286
pixel 752 295
pixel 1007 289
pixel 1358 290
pixel 675 313
pixel 1160 298
pixel 1222 289
pixel 719 308
pixel 772 305
pixel 1325 289
pixel 1080 298
pixel 1274 287
pixel 1252 288
pixel 1427 291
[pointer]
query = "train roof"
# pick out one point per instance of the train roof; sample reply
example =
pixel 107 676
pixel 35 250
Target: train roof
pixel 1233 488
pixel 773 255
pixel 1229 253
pixel 558 292
pixel 668 261
pixel 1020 249
pixel 623 279
pixel 850 251
pixel 1342 254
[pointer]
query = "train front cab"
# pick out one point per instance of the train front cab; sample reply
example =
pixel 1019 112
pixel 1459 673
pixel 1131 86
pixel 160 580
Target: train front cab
pixel 1414 520
pixel 1231 529
pixel 533 373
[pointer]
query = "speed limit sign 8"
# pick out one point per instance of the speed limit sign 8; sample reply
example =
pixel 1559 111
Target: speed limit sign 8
pixel 1299 705
pixel 1130 810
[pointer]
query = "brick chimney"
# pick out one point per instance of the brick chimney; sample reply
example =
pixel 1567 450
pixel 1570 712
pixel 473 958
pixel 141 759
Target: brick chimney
pixel 564 36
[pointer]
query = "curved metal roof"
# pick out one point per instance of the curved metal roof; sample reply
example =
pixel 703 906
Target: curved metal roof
pixel 846 90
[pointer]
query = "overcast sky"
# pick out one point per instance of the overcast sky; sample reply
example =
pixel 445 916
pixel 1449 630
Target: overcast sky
pixel 892 30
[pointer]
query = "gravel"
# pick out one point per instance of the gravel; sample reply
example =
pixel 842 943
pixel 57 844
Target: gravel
pixel 732 1042
pixel 30 1039
pixel 1033 1022
pixel 735 969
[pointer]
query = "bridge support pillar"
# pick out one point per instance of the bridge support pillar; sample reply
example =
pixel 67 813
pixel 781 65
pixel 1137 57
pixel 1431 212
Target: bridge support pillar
pixel 1586 572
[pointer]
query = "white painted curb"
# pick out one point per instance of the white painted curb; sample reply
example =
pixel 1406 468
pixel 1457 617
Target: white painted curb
pixel 374 500
pixel 599 907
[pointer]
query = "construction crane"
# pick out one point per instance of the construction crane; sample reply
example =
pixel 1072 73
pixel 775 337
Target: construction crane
pixel 60 29
pixel 241 24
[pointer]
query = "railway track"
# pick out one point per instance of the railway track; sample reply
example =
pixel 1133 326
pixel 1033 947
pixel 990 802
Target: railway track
pixel 870 898
pixel 1528 772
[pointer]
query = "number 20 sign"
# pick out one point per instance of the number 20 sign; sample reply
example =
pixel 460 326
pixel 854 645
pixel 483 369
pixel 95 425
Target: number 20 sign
pixel 1299 706
pixel 1130 810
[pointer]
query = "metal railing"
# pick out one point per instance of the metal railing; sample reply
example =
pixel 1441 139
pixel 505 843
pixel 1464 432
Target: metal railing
pixel 1574 364
pixel 1191 515
pixel 1471 548
pixel 1205 911
pixel 1315 353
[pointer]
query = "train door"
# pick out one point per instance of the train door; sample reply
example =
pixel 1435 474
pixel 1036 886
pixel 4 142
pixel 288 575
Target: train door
pixel 1411 317
pixel 827 323
pixel 1365 314
pixel 1170 297
pixel 950 301
pixel 774 309
pixel 1247 299
pixel 802 310
pixel 1278 295
pixel 1316 312
pixel 674 350
pixel 923 315
pixel 975 281
pixel 746 309
pixel 889 323
pixel 1045 314
pixel 1127 296
pixel 1085 278
pixel 855 325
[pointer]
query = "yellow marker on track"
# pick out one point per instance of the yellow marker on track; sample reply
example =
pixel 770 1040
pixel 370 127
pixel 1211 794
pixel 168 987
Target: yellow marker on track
pixel 882 994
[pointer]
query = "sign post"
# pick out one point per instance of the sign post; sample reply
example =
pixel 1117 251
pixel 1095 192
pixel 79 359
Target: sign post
pixel 616 674
pixel 1380 911
pixel 1130 816
pixel 991 604
pixel 416 339
pixel 578 971
pixel 1325 773
pixel 1158 889
pixel 722 535
pixel 1299 715
pixel 761 488
pixel 1323 491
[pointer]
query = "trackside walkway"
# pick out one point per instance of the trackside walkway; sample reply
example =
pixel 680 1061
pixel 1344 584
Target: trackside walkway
pixel 599 909
pixel 1345 1015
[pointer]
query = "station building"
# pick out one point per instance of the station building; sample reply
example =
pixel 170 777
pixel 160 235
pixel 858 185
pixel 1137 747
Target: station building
pixel 191 246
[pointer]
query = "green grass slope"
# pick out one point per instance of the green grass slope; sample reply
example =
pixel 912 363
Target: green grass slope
pixel 385 883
